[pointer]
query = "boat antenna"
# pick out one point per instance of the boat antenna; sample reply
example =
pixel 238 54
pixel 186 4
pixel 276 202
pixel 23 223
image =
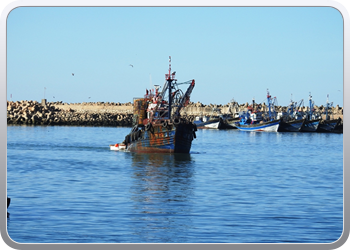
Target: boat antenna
pixel 169 80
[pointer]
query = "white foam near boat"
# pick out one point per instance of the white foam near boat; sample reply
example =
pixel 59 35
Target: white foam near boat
pixel 117 147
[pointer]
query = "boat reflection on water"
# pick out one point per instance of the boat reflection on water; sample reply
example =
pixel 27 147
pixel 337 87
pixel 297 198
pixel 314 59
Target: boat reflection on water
pixel 161 170
pixel 161 194
pixel 161 159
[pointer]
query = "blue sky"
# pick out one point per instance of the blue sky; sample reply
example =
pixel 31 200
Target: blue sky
pixel 231 52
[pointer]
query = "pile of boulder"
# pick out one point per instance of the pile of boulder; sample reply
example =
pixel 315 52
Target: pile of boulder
pixel 34 113
pixel 111 114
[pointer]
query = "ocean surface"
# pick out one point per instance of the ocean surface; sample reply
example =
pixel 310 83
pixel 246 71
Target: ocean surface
pixel 66 186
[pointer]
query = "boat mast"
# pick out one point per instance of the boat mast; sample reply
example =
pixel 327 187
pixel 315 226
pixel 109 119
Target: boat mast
pixel 310 104
pixel 327 118
pixel 170 78
pixel 269 102
pixel 169 87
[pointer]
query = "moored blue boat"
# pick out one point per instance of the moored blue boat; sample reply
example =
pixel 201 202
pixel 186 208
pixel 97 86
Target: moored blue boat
pixel 312 119
pixel 291 126
pixel 292 120
pixel 270 126
pixel 252 120
pixel 310 125
pixel 328 125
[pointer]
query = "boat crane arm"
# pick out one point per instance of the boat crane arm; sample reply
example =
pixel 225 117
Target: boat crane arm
pixel 185 98
pixel 301 103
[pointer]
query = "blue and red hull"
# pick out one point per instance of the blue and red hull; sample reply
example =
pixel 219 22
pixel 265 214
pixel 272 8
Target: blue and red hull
pixel 271 126
pixel 160 139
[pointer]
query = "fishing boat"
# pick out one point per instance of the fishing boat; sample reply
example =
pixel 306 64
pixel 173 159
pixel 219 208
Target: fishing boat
pixel 213 121
pixel 229 122
pixel 269 126
pixel 158 126
pixel 231 117
pixel 252 120
pixel 312 119
pixel 328 125
pixel 291 120
pixel 338 128
pixel 310 125
pixel 291 126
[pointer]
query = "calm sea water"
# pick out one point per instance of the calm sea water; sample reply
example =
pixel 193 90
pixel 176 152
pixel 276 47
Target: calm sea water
pixel 66 186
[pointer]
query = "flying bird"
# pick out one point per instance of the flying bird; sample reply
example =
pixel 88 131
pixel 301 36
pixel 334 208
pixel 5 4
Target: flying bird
pixel 72 74
pixel 131 65
pixel 89 97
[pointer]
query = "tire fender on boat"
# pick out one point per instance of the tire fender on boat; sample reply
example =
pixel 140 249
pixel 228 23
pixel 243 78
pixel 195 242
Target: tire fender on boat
pixel 149 127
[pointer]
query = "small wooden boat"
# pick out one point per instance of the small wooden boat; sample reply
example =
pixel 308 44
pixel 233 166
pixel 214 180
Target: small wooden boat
pixel 117 146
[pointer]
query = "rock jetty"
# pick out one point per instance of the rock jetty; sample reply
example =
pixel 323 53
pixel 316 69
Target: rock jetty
pixel 34 113
pixel 108 114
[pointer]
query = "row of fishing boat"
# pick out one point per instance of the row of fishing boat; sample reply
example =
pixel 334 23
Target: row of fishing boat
pixel 159 127
pixel 254 118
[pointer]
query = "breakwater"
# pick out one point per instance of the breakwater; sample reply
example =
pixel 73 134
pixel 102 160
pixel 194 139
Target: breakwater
pixel 109 114
pixel 94 114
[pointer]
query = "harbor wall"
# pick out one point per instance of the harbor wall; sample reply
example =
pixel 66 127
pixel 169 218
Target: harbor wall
pixel 107 114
